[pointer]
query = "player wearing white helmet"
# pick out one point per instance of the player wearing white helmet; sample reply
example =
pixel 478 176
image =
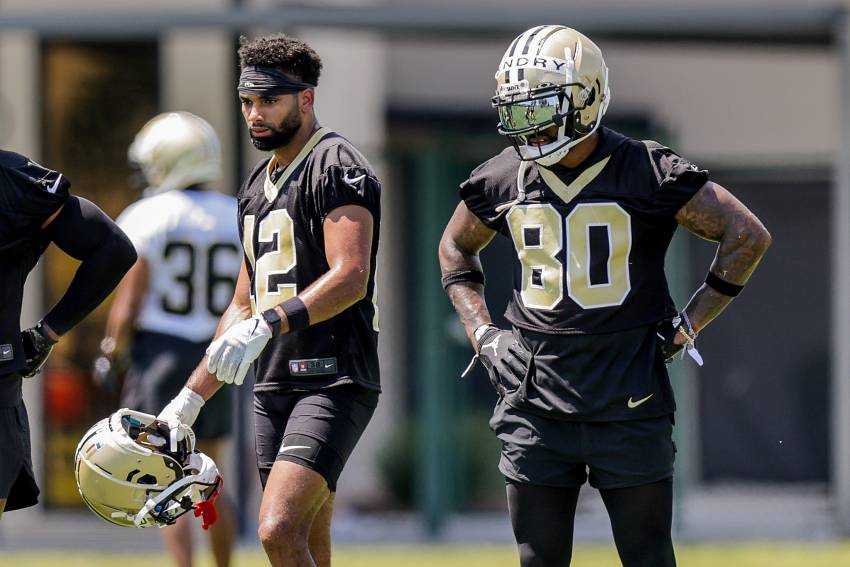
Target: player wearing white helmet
pixel 551 92
pixel 167 308
pixel 581 377
pixel 176 150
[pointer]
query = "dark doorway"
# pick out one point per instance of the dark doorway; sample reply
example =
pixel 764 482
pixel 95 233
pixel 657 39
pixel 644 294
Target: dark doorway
pixel 764 390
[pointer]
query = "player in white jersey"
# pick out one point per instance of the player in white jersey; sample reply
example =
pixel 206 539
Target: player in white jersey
pixel 190 241
pixel 168 306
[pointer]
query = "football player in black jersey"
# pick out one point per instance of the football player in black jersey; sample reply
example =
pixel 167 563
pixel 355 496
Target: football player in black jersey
pixel 35 210
pixel 581 376
pixel 304 310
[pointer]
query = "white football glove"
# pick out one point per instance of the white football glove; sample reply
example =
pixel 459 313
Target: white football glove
pixel 180 413
pixel 230 355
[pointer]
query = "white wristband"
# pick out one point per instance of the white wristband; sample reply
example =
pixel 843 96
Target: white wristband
pixel 480 329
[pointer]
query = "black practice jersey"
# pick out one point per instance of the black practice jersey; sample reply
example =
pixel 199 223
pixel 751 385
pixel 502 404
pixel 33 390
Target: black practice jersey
pixel 281 213
pixel 29 195
pixel 590 242
pixel 590 245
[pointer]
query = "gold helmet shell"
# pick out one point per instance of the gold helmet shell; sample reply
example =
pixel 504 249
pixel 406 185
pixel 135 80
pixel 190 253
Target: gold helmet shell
pixel 551 78
pixel 175 150
pixel 132 471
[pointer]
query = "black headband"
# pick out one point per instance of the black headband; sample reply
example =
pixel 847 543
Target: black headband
pixel 268 81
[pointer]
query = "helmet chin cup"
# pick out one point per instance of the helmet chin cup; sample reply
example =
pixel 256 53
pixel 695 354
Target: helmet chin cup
pixel 551 153
pixel 553 158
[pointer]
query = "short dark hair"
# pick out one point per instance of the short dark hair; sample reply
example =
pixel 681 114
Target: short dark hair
pixel 284 53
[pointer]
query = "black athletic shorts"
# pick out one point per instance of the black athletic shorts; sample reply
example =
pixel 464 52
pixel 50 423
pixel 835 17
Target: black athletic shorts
pixel 613 454
pixel 317 429
pixel 160 364
pixel 17 481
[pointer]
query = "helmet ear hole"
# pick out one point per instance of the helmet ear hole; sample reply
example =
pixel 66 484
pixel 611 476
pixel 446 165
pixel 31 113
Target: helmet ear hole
pixel 147 479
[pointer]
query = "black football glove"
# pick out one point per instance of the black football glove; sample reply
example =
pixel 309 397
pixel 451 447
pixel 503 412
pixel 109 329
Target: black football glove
pixel 505 359
pixel 667 331
pixel 37 347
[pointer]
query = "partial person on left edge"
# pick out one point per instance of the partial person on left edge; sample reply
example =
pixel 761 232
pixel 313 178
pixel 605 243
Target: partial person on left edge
pixel 35 210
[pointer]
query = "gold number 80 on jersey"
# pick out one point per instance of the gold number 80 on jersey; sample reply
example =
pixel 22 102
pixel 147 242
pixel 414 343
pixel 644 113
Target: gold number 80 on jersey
pixel 538 232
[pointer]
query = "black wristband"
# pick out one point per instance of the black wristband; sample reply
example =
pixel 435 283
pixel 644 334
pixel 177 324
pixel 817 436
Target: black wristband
pixel 272 319
pixel 39 328
pixel 458 276
pixel 296 314
pixel 722 286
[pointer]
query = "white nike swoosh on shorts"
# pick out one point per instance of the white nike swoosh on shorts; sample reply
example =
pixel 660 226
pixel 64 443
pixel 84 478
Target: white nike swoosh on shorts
pixel 292 447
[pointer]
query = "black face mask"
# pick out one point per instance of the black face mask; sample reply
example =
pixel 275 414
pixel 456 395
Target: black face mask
pixel 281 134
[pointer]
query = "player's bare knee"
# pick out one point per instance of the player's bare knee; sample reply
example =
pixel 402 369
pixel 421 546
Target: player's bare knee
pixel 282 529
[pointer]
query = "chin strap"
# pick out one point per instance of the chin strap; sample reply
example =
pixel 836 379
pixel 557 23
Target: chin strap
pixel 520 183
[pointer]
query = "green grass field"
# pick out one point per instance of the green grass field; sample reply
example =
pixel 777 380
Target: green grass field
pixel 766 554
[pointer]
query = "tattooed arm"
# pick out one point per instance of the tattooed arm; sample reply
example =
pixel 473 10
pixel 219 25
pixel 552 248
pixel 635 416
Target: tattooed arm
pixel 715 215
pixel 465 236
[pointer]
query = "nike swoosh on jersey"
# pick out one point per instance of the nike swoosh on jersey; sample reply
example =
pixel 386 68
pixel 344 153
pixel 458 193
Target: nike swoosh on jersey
pixel 292 448
pixel 632 404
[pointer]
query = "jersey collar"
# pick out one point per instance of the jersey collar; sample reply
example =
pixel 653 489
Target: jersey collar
pixel 272 188
pixel 608 143
pixel 568 192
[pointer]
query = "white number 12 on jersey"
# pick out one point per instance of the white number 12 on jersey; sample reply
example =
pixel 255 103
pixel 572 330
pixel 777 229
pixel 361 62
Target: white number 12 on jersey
pixel 276 227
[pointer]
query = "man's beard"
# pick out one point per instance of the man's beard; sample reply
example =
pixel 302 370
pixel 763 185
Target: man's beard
pixel 281 135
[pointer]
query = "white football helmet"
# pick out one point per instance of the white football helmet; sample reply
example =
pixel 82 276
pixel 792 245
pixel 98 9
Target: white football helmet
pixel 551 92
pixel 133 471
pixel 176 150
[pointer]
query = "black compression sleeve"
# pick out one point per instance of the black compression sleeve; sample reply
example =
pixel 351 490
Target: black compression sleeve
pixel 542 518
pixel 84 232
pixel 641 520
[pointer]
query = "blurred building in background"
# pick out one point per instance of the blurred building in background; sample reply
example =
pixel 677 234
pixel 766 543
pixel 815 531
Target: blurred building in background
pixel 753 90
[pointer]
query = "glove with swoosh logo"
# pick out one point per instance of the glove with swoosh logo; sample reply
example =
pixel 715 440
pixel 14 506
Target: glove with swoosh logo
pixel 231 354
pixel 505 359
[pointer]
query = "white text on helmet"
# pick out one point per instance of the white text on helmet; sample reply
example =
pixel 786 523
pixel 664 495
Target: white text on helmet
pixel 540 62
pixel 511 89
